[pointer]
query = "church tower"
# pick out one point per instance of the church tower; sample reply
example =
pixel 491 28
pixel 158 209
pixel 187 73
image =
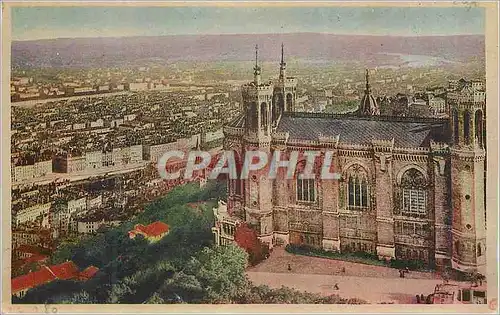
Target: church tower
pixel 467 107
pixel 285 91
pixel 257 199
pixel 257 102
pixel 369 105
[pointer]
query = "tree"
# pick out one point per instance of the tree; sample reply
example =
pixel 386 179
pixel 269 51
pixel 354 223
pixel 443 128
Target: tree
pixel 475 278
pixel 82 297
pixel 221 272
pixel 118 293
pixel 155 299
pixel 247 239
pixel 52 292
pixel 182 287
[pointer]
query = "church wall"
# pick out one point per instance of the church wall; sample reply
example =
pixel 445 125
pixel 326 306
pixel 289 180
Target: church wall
pixel 357 228
pixel 410 246
pixel 384 205
pixel 330 216
pixel 442 210
pixel 372 218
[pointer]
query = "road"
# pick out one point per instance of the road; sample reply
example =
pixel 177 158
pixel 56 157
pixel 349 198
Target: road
pixel 83 175
pixel 32 103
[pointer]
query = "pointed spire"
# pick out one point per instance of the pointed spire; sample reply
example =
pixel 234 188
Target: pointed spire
pixel 282 63
pixel 282 54
pixel 368 89
pixel 256 56
pixel 256 72
pixel 369 105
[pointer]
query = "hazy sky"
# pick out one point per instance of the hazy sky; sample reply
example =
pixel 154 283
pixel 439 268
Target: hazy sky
pixel 43 22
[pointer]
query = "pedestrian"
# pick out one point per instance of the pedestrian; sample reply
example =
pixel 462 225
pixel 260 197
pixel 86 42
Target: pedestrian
pixel 289 267
pixel 336 286
pixel 422 297
pixel 418 299
pixel 343 269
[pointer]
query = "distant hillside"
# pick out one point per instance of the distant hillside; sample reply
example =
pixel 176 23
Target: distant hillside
pixel 92 52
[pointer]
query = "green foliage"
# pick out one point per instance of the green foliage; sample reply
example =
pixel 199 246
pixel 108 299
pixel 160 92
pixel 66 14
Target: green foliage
pixel 342 107
pixel 82 297
pixel 221 272
pixel 358 257
pixel 52 292
pixel 119 291
pixel 182 267
pixel 155 299
pixel 265 295
pixel 181 287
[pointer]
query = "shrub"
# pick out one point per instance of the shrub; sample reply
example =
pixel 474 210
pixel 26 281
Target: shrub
pixel 357 257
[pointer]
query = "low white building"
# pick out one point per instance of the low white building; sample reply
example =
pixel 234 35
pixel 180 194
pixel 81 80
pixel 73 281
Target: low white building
pixel 225 225
pixel 30 214
pixel 97 123
pixel 88 226
pixel 26 172
pixel 94 159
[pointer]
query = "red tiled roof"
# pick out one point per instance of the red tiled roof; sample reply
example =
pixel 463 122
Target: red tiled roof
pixel 88 273
pixel 139 227
pixel 156 229
pixel 64 271
pixel 31 280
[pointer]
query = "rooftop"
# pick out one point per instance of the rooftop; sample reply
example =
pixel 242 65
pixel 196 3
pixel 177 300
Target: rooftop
pixel 152 230
pixel 406 131
pixel 65 271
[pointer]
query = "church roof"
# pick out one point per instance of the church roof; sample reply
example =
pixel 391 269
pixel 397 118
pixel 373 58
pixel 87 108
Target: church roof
pixel 238 122
pixel 407 132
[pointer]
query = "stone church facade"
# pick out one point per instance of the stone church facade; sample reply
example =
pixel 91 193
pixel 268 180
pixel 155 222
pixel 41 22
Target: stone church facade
pixel 409 188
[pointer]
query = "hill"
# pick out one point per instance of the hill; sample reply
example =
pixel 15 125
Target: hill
pixel 108 52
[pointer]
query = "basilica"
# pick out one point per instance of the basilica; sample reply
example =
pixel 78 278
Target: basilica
pixel 409 188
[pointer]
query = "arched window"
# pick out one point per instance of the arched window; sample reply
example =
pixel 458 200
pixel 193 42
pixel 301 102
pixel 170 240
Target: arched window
pixel 274 111
pixel 467 127
pixel 478 124
pixel 456 132
pixel 306 191
pixel 252 115
pixel 357 188
pixel 458 248
pixel 263 114
pixel 277 106
pixel 306 188
pixel 414 194
pixel 280 105
pixel 238 183
pixel 289 100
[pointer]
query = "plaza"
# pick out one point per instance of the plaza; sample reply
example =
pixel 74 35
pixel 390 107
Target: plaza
pixel 374 284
